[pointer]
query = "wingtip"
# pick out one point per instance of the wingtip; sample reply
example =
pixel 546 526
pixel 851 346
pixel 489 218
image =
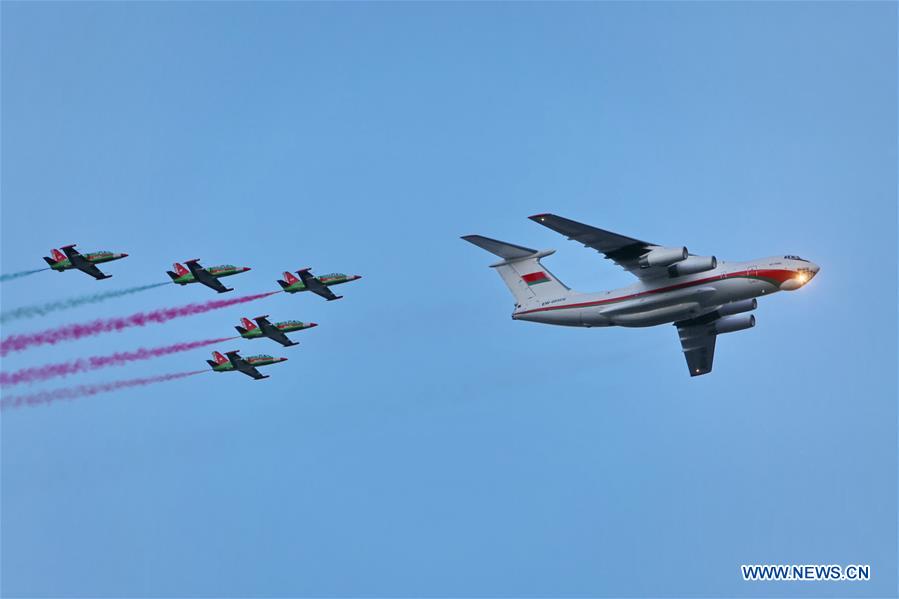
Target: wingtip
pixel 539 217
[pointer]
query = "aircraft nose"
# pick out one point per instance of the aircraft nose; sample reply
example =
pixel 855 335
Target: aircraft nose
pixel 313 324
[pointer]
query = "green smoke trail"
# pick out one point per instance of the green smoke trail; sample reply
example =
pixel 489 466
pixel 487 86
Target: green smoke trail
pixel 20 274
pixel 74 302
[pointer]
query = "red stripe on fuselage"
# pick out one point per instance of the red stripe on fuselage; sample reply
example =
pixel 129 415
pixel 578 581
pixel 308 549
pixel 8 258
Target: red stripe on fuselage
pixel 778 275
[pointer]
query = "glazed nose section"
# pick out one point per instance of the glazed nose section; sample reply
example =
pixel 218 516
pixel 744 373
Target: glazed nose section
pixel 802 277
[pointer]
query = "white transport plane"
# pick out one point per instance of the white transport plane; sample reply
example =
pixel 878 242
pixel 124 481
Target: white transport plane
pixel 703 296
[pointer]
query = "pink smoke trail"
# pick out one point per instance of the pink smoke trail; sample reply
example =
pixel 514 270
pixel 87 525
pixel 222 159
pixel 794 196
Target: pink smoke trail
pixel 106 325
pixel 49 371
pixel 43 397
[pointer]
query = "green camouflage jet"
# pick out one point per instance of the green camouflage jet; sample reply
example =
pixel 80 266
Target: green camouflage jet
pixel 83 262
pixel 233 362
pixel 317 285
pixel 276 332
pixel 194 273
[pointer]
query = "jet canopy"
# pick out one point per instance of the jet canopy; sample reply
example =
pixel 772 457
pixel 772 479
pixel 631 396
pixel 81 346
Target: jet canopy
pixel 791 257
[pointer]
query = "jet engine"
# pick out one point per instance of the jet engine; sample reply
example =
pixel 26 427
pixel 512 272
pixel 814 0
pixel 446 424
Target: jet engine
pixel 731 324
pixel 663 257
pixel 738 307
pixel 692 265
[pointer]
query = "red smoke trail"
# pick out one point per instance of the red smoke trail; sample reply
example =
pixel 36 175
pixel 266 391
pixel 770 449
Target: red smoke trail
pixel 17 401
pixel 106 325
pixel 42 373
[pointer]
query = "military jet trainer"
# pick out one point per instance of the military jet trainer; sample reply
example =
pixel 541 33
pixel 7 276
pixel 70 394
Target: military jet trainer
pixel 276 332
pixel 702 296
pixel 86 263
pixel 317 285
pixel 234 363
pixel 194 273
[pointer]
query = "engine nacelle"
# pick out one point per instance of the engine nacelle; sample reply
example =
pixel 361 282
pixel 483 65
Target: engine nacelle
pixel 738 307
pixel 731 324
pixel 693 265
pixel 664 257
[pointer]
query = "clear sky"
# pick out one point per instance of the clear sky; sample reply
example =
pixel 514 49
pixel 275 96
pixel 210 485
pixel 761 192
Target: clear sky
pixel 419 442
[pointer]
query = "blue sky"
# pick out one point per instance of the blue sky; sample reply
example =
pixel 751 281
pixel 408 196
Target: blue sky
pixel 419 442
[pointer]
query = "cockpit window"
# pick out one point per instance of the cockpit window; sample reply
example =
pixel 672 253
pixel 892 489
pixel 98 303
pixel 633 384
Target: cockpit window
pixel 795 258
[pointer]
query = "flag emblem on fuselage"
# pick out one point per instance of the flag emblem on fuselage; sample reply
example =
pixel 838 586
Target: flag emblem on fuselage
pixel 535 278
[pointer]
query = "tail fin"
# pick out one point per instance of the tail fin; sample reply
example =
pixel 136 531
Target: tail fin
pixel 248 324
pixel 50 261
pixel 521 270
pixel 180 270
pixel 290 279
pixel 219 358
pixel 57 255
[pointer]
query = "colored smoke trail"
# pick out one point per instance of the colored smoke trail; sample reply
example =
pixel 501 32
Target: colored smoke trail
pixel 43 397
pixel 47 308
pixel 20 274
pixel 106 325
pixel 49 371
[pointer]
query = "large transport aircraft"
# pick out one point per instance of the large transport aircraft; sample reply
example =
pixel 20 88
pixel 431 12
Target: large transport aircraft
pixel 70 258
pixel 702 296
pixel 194 273
pixel 232 362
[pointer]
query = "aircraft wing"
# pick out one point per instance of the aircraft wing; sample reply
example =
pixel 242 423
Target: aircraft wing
pixel 82 263
pixel 202 276
pixel 273 332
pixel 243 366
pixel 315 286
pixel 697 339
pixel 624 251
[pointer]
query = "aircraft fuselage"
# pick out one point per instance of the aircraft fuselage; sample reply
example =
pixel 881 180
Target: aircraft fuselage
pixel 667 300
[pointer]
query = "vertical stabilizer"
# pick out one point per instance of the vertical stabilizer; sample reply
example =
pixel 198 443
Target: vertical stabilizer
pixel 521 270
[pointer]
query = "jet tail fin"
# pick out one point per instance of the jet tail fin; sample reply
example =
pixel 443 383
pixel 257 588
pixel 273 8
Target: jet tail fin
pixel 521 270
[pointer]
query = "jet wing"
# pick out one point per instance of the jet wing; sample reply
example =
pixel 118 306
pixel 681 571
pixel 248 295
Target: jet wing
pixel 273 332
pixel 243 366
pixel 202 275
pixel 315 286
pixel 82 264
pixel 697 339
pixel 624 251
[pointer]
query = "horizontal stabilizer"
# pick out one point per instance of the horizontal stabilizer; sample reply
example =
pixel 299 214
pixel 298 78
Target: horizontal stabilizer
pixel 507 251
